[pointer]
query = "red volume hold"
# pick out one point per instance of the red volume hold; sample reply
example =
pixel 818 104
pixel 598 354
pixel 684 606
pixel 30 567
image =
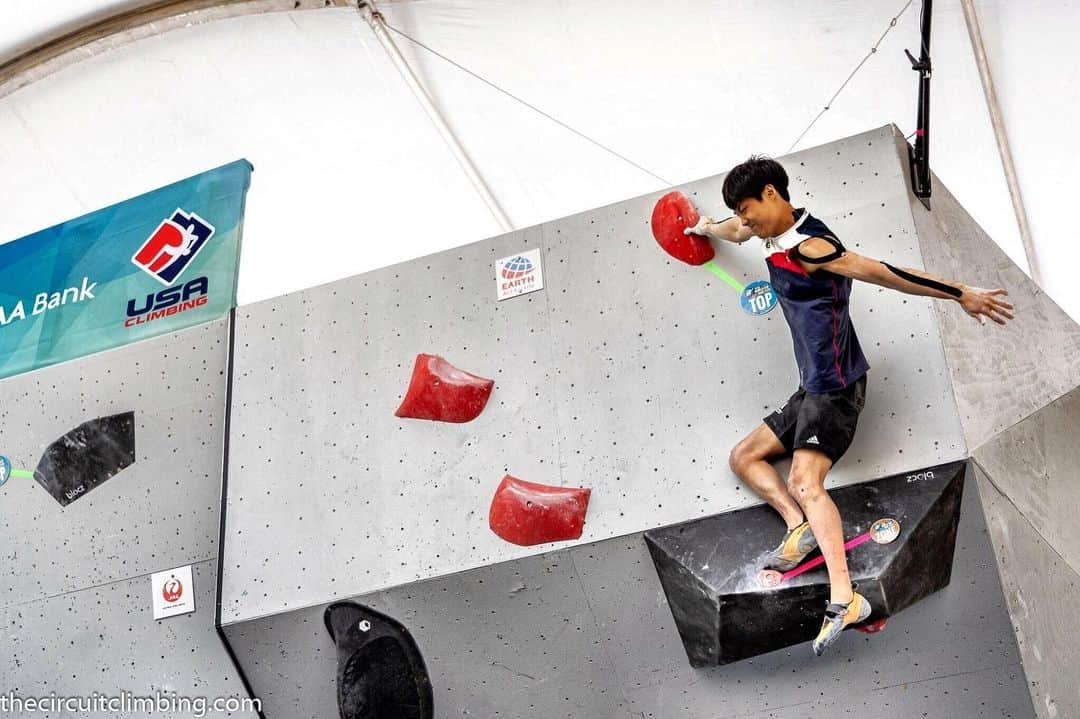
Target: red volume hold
pixel 440 391
pixel 527 513
pixel 674 213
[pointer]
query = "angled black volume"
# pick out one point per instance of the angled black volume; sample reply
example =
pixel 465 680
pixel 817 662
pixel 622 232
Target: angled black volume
pixel 381 674
pixel 709 566
pixel 87 456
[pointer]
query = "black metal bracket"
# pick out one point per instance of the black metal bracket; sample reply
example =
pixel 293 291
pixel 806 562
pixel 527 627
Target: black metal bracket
pixel 919 154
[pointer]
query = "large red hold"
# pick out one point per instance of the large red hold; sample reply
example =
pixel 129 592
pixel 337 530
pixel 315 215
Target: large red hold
pixel 440 391
pixel 527 513
pixel 674 213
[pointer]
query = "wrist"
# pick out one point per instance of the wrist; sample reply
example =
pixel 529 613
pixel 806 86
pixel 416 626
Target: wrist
pixel 714 230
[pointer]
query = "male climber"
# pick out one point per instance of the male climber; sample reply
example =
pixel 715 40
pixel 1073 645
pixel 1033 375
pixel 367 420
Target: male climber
pixel 811 273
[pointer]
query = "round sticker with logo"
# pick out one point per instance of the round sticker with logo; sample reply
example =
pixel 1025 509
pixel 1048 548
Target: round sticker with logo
pixel 758 297
pixel 172 590
pixel 5 469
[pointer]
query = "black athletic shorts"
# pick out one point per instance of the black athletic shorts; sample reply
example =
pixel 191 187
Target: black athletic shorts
pixel 825 422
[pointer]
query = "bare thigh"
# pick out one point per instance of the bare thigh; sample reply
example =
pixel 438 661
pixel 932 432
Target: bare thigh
pixel 761 443
pixel 810 463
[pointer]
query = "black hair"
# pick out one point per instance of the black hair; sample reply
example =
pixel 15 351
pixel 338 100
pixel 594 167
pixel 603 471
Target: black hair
pixel 748 180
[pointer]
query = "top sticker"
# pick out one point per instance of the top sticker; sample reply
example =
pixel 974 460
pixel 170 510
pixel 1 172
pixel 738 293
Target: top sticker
pixel 758 298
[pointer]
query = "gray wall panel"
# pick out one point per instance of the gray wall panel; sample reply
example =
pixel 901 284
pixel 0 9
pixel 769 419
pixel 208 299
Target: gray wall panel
pixel 516 639
pixel 1000 374
pixel 1041 588
pixel 104 639
pixel 75 592
pixel 330 494
pixel 289 662
pixel 996 693
pixel 159 513
pixel 1034 464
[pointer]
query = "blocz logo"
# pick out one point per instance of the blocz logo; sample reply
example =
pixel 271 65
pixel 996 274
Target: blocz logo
pixel 173 246
pixel 517 267
pixel 172 591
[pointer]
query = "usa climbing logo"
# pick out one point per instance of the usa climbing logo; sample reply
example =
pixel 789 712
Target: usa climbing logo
pixel 172 246
pixel 519 274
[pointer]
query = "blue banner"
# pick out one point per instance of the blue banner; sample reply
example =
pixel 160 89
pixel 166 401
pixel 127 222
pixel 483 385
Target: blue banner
pixel 150 265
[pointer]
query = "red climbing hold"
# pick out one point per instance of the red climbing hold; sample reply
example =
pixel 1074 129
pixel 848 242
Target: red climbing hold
pixel 674 213
pixel 527 513
pixel 873 627
pixel 440 391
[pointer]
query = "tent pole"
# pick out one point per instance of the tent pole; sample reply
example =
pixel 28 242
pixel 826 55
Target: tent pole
pixel 998 122
pixel 375 19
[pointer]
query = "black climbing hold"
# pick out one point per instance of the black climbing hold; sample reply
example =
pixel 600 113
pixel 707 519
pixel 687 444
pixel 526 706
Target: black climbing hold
pixel 87 456
pixel 381 673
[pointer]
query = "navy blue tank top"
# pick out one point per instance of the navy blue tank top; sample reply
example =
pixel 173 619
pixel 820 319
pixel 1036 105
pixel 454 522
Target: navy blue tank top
pixel 816 309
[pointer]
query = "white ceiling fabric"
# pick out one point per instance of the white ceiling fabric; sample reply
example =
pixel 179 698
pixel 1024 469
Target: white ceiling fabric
pixel 350 175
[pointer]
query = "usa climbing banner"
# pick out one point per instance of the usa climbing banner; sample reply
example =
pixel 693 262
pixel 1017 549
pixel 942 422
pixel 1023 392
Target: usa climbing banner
pixel 147 266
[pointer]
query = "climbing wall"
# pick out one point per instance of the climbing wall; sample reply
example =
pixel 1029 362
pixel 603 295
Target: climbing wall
pixel 75 587
pixel 586 632
pixel 629 373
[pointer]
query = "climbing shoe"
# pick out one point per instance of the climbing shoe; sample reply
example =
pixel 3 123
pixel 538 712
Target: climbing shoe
pixel 839 617
pixel 797 543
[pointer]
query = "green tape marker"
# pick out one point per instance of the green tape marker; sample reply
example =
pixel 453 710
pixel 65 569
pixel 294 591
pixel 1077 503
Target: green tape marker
pixel 7 471
pixel 731 281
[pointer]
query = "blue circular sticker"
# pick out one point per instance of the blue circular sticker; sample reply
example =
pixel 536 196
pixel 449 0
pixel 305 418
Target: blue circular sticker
pixel 758 297
pixel 5 469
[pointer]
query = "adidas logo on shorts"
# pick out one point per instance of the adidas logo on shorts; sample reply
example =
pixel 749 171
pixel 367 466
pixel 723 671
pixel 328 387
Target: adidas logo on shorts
pixel 813 440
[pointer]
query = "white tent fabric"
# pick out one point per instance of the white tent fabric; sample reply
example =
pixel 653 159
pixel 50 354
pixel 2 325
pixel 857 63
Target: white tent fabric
pixel 350 175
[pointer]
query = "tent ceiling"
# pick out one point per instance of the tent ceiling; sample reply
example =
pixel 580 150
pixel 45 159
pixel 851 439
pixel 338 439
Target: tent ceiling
pixel 40 38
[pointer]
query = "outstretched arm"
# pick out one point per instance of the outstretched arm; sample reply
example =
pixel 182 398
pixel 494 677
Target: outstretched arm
pixel 817 254
pixel 730 230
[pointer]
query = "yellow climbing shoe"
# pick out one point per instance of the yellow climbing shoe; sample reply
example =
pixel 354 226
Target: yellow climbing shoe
pixel 839 617
pixel 797 543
